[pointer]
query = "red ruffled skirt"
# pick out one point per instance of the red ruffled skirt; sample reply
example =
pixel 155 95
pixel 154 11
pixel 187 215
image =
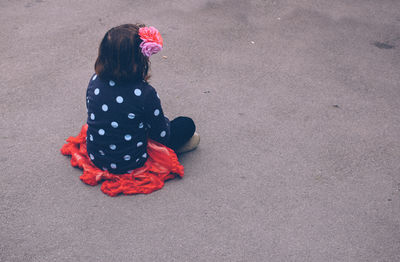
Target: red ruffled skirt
pixel 162 164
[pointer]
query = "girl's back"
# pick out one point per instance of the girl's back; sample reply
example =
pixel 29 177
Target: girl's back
pixel 119 115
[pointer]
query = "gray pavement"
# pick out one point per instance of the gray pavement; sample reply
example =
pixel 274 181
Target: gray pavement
pixel 297 104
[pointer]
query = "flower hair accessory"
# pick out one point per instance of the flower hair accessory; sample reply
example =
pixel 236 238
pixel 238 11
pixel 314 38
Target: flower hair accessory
pixel 152 41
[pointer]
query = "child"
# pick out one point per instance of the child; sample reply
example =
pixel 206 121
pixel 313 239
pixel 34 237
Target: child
pixel 123 109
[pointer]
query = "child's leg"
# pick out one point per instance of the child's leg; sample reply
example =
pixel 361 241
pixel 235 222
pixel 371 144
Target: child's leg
pixel 182 129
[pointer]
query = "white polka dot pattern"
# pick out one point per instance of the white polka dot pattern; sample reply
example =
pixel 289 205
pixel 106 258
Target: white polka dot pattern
pixel 120 116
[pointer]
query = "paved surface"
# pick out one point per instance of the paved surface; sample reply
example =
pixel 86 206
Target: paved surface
pixel 297 104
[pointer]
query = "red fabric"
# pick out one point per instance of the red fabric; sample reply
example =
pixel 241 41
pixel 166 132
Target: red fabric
pixel 162 164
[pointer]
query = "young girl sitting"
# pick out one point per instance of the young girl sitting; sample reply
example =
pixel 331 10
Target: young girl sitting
pixel 123 109
pixel 128 142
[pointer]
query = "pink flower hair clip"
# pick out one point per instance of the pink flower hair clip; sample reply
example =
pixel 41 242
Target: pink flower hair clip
pixel 152 41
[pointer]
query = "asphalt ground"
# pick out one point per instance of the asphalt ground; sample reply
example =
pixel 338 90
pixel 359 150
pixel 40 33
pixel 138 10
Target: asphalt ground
pixel 297 104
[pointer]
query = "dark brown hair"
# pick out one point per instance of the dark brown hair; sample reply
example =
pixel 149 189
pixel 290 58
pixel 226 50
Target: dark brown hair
pixel 120 57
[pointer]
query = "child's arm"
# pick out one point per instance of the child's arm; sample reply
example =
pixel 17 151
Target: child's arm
pixel 157 123
pixel 87 98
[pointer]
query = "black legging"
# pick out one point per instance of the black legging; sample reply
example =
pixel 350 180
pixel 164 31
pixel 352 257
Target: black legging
pixel 182 129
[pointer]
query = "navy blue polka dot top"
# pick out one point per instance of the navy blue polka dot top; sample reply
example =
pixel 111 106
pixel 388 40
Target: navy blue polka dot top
pixel 121 116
